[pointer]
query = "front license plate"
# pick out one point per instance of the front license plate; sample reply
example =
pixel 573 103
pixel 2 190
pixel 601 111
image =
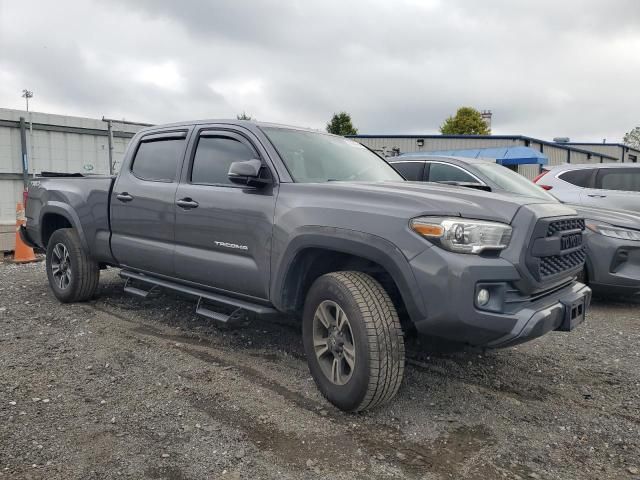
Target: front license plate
pixel 574 312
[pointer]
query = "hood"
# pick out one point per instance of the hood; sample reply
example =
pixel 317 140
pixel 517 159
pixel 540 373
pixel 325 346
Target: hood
pixel 420 198
pixel 619 218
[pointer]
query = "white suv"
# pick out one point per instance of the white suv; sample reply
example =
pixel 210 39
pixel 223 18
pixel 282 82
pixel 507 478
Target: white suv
pixel 614 186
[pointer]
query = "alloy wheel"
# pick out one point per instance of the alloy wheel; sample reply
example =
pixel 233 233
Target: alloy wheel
pixel 61 266
pixel 333 342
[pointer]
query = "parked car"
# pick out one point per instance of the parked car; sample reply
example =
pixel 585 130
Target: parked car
pixel 265 219
pixel 612 237
pixel 605 185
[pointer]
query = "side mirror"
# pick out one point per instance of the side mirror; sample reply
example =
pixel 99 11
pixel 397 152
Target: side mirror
pixel 247 173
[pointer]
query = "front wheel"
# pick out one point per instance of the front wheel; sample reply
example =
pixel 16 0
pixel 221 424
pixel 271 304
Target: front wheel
pixel 353 340
pixel 73 275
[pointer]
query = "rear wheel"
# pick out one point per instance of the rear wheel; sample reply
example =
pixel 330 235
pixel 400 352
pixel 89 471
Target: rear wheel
pixel 73 275
pixel 353 340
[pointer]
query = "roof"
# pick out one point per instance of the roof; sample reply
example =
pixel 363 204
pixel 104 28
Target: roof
pixel 502 155
pixel 600 144
pixel 578 166
pixel 249 124
pixel 419 157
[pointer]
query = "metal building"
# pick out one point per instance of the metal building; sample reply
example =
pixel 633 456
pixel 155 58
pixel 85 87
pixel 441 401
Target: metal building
pixel 557 153
pixel 624 153
pixel 55 143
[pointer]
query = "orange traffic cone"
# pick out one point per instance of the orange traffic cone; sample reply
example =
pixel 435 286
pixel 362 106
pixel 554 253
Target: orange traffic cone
pixel 23 253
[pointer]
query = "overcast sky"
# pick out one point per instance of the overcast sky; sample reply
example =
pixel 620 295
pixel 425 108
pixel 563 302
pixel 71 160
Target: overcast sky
pixel 545 68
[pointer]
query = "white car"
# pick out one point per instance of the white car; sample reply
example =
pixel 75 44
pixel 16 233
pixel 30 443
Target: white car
pixel 614 186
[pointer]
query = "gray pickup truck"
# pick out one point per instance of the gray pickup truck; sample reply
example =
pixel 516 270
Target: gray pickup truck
pixel 260 219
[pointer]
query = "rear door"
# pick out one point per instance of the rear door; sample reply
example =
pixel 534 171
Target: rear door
pixel 143 203
pixel 224 230
pixel 615 188
pixel 574 186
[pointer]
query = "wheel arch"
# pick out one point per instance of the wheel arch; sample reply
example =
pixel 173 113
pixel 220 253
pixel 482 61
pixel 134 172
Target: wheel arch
pixel 57 215
pixel 316 251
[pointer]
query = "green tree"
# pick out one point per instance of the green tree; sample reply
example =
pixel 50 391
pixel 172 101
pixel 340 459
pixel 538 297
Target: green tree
pixel 632 138
pixel 243 116
pixel 466 121
pixel 340 124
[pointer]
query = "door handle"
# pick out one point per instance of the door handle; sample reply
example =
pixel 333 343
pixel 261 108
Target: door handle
pixel 593 195
pixel 187 203
pixel 124 197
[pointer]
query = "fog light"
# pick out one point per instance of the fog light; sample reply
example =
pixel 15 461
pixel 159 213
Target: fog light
pixel 483 297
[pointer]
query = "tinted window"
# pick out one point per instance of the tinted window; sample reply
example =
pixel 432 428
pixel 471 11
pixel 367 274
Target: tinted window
pixel 213 157
pixel 579 178
pixel 627 179
pixel 440 172
pixel 410 170
pixel 158 160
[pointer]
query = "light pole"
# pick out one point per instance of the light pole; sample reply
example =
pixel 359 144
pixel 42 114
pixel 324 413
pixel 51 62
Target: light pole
pixel 27 94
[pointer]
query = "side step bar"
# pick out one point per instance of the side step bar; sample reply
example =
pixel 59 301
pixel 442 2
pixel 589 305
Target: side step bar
pixel 238 315
pixel 138 291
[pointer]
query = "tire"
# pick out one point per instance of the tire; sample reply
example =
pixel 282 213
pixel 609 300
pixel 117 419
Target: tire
pixel 66 255
pixel 371 335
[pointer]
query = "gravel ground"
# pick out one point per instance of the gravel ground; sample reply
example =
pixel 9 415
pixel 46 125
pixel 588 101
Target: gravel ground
pixel 123 387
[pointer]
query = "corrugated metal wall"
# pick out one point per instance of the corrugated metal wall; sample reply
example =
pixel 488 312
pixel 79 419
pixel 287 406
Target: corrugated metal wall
pixel 56 143
pixel 611 150
pixel 10 193
pixel 529 171
pixel 409 145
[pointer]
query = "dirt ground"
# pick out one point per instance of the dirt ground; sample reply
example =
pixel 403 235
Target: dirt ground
pixel 123 387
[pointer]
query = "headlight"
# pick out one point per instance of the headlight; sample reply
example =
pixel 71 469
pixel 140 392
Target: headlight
pixel 463 235
pixel 615 232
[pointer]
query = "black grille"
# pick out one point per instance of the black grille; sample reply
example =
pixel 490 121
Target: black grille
pixel 559 263
pixel 551 262
pixel 564 225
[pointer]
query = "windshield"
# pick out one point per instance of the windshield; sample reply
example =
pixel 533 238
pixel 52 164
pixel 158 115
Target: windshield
pixel 511 181
pixel 314 157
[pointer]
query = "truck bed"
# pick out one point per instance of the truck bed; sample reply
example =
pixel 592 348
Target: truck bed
pixel 82 200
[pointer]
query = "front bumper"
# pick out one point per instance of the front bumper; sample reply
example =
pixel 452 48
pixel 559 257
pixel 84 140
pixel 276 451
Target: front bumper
pixel 563 311
pixel 448 284
pixel 613 265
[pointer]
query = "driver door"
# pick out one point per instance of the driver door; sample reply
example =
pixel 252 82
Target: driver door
pixel 223 231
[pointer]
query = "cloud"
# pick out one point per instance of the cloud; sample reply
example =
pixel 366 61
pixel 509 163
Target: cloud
pixel 545 68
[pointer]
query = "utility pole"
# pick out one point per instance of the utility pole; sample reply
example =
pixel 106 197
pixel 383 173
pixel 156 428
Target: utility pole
pixel 25 160
pixel 110 122
pixel 110 139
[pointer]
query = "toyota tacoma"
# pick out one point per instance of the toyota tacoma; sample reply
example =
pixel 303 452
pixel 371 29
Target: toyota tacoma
pixel 260 219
